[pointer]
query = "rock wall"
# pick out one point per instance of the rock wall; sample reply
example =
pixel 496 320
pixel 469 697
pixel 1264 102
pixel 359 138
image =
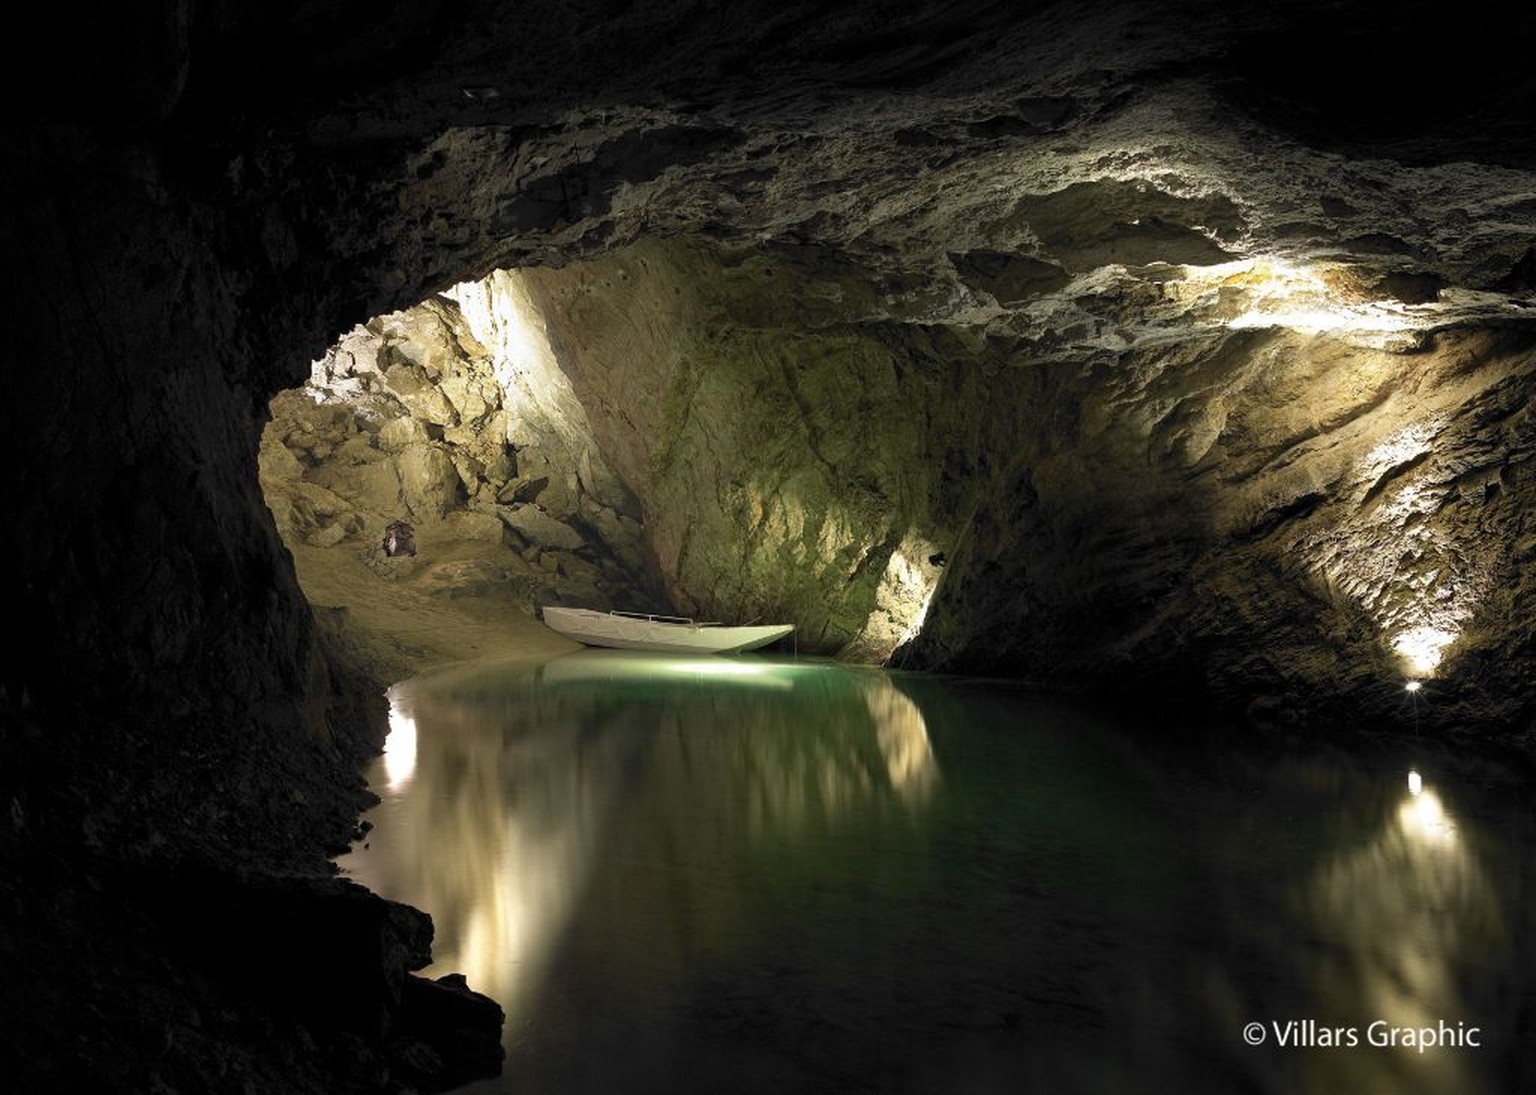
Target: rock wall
pixel 1279 522
pixel 155 614
pixel 176 732
pixel 777 451
pixel 412 418
pixel 1280 519
pixel 562 471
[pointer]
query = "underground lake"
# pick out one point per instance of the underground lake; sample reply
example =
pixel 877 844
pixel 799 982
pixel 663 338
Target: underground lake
pixel 765 874
pixel 1130 405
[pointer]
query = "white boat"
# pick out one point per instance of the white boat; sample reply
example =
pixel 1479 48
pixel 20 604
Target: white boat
pixel 672 634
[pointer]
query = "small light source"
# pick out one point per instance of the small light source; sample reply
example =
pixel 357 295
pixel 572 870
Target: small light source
pixel 1413 686
pixel 1415 781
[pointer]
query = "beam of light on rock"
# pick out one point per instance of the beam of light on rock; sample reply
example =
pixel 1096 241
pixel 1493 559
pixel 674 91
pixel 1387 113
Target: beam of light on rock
pixel 1412 573
pixel 507 322
pixel 1270 292
pixel 1422 648
pixel 918 583
pixel 1408 443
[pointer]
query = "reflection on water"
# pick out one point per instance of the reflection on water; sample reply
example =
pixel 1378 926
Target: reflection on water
pixel 399 750
pixel 522 774
pixel 740 875
pixel 1401 914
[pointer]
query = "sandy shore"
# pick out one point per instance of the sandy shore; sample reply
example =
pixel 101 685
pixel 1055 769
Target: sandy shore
pixel 425 613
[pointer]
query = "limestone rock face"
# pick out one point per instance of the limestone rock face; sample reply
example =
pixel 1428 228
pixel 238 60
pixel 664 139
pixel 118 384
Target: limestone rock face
pixel 538 527
pixel 777 465
pixel 1264 508
pixel 547 423
pixel 398 433
pixel 457 420
pixel 429 481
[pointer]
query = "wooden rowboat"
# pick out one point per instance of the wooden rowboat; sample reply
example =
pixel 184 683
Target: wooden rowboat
pixel 673 634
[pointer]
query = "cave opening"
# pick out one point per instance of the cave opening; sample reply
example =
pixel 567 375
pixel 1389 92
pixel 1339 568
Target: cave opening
pixel 509 443
pixel 1274 443
pixel 437 479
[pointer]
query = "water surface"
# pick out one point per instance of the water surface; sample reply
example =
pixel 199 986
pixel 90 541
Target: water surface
pixel 742 875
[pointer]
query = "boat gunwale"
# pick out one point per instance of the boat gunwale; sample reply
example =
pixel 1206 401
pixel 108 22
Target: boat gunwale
pixel 659 618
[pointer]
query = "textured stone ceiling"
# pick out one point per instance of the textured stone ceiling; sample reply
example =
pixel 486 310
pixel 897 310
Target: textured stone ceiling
pixel 1208 333
pixel 1192 339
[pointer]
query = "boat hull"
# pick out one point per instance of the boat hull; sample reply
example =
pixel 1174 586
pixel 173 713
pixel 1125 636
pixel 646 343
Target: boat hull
pixel 628 633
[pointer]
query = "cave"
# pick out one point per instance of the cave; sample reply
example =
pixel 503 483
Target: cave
pixel 1171 362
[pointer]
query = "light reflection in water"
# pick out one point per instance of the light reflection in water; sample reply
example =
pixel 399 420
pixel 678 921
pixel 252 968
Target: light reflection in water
pixel 811 877
pixel 399 749
pixel 902 737
pixel 1405 913
pixel 1423 816
pixel 497 838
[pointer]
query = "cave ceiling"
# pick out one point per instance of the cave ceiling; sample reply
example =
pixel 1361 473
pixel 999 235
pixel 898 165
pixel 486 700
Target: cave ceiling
pixel 967 156
pixel 1206 320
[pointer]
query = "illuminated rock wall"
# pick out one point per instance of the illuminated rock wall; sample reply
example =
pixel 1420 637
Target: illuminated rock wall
pixel 775 452
pixel 1129 347
pixel 1004 202
pixel 452 416
pixel 1275 494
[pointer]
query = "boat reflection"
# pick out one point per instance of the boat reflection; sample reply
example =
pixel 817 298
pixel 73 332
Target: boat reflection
pixel 519 774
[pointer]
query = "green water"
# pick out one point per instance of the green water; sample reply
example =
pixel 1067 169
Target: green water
pixel 739 875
